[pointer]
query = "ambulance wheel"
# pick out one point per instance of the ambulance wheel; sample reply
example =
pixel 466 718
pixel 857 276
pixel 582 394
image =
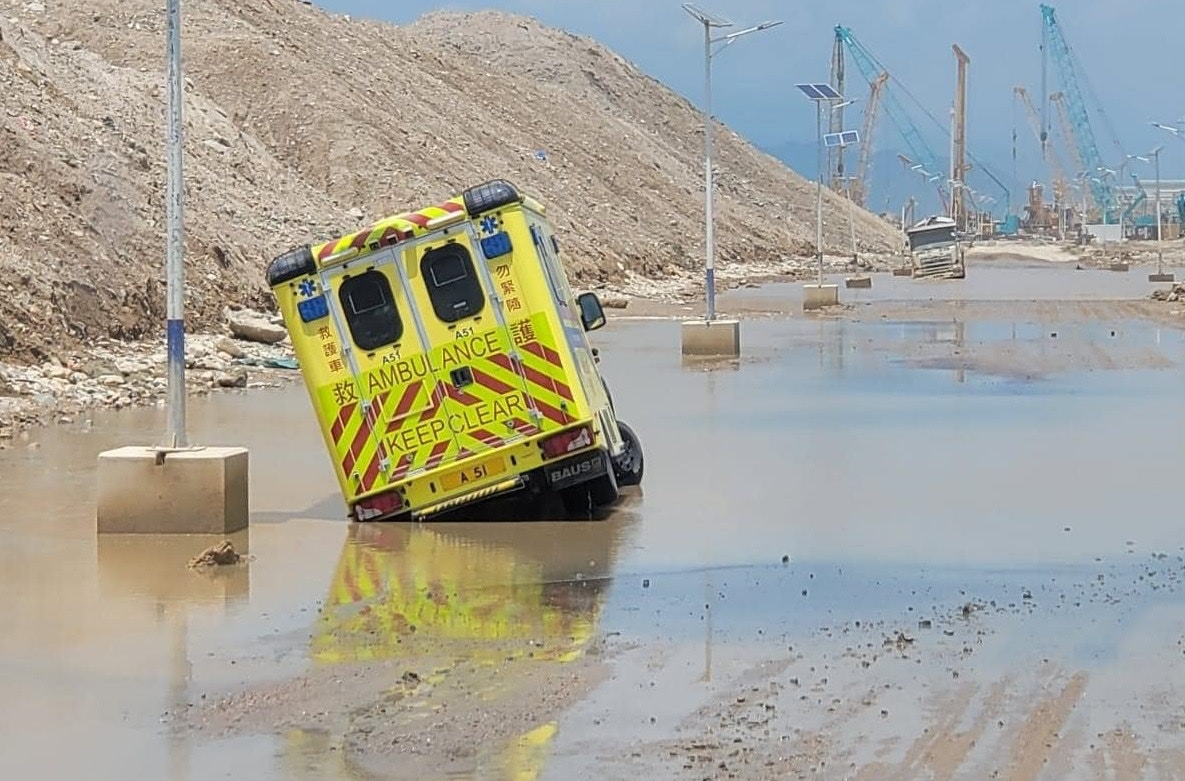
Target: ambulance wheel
pixel 581 500
pixel 628 466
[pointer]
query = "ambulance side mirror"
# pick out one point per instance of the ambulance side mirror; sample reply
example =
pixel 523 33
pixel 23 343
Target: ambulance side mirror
pixel 592 314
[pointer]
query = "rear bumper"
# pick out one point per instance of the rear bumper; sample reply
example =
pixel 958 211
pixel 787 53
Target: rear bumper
pixel 577 469
pixel 421 497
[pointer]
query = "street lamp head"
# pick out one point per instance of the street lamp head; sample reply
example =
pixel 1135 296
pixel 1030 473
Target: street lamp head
pixel 845 104
pixel 732 36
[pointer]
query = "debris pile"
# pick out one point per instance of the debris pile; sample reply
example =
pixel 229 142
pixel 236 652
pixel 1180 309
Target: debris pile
pixel 1175 293
pixel 221 555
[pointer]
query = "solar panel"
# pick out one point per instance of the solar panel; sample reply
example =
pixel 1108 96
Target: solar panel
pixel 818 91
pixel 833 139
pixel 850 137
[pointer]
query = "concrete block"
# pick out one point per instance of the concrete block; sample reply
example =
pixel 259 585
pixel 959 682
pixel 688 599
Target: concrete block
pixel 819 296
pixel 903 272
pixel 858 282
pixel 712 337
pixel 1119 267
pixel 198 491
pixel 1166 277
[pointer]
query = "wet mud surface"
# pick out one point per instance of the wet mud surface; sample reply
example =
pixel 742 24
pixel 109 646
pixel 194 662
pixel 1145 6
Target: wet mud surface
pixel 912 539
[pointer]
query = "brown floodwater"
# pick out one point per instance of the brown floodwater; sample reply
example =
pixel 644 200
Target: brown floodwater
pixel 876 476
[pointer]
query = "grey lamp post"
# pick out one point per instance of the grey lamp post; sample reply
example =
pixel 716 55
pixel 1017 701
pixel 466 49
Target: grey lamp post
pixel 712 22
pixel 1154 158
pixel 820 93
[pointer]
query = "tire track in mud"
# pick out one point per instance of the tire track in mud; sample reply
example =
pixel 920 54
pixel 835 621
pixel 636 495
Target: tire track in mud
pixel 1036 737
pixel 942 750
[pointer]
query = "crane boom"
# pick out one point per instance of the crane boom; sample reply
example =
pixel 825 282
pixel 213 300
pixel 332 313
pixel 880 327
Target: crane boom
pixel 1066 129
pixel 1054 45
pixel 870 69
pixel 835 154
pixel 871 109
pixel 1056 168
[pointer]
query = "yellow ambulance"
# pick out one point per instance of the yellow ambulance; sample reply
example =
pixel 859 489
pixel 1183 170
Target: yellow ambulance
pixel 448 361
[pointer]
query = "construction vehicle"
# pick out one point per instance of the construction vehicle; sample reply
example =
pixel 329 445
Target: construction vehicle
pixel 936 248
pixel 447 361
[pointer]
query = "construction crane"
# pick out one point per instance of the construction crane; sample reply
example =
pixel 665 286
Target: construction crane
pixel 1053 44
pixel 1141 196
pixel 870 68
pixel 958 164
pixel 871 110
pixel 1066 130
pixel 1057 169
pixel 835 154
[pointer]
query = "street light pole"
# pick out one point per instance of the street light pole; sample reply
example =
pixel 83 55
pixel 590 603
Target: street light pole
pixel 710 21
pixel 710 239
pixel 175 253
pixel 1159 224
pixel 819 187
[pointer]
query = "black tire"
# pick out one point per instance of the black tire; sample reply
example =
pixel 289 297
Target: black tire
pixel 629 465
pixel 580 500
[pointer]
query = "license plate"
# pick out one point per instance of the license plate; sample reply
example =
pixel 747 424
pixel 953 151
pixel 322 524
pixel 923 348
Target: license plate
pixel 473 474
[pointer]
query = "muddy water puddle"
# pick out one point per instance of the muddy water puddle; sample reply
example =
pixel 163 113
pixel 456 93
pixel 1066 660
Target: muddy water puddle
pixel 839 485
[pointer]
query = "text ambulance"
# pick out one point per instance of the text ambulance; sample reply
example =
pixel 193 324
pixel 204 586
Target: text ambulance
pixel 447 360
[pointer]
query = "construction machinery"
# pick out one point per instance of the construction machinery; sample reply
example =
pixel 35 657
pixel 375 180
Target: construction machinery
pixel 1054 45
pixel 871 69
pixel 958 163
pixel 1141 197
pixel 871 110
pixel 1043 217
pixel 1066 129
pixel 835 154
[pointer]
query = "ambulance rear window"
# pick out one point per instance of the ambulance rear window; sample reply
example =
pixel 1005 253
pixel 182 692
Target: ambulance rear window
pixel 452 283
pixel 370 310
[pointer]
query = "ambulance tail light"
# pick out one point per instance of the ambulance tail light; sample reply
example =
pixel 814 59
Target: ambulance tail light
pixel 377 506
pixel 567 442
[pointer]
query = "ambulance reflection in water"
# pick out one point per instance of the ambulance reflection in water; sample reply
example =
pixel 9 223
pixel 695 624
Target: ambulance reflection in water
pixel 517 600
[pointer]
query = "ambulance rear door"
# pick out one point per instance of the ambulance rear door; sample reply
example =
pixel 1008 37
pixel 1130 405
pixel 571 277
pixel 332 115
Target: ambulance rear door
pixel 405 429
pixel 484 390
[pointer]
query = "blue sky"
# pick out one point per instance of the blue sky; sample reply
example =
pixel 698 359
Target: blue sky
pixel 1123 47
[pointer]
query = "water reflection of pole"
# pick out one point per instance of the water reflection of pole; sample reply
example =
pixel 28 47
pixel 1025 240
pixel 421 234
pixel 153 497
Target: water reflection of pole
pixel 708 590
pixel 179 754
pixel 961 374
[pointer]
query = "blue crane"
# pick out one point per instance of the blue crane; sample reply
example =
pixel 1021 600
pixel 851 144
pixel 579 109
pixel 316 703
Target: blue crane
pixel 1053 43
pixel 1141 196
pixel 871 69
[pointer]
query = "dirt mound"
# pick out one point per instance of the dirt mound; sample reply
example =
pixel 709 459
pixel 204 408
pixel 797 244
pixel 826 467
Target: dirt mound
pixel 302 125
